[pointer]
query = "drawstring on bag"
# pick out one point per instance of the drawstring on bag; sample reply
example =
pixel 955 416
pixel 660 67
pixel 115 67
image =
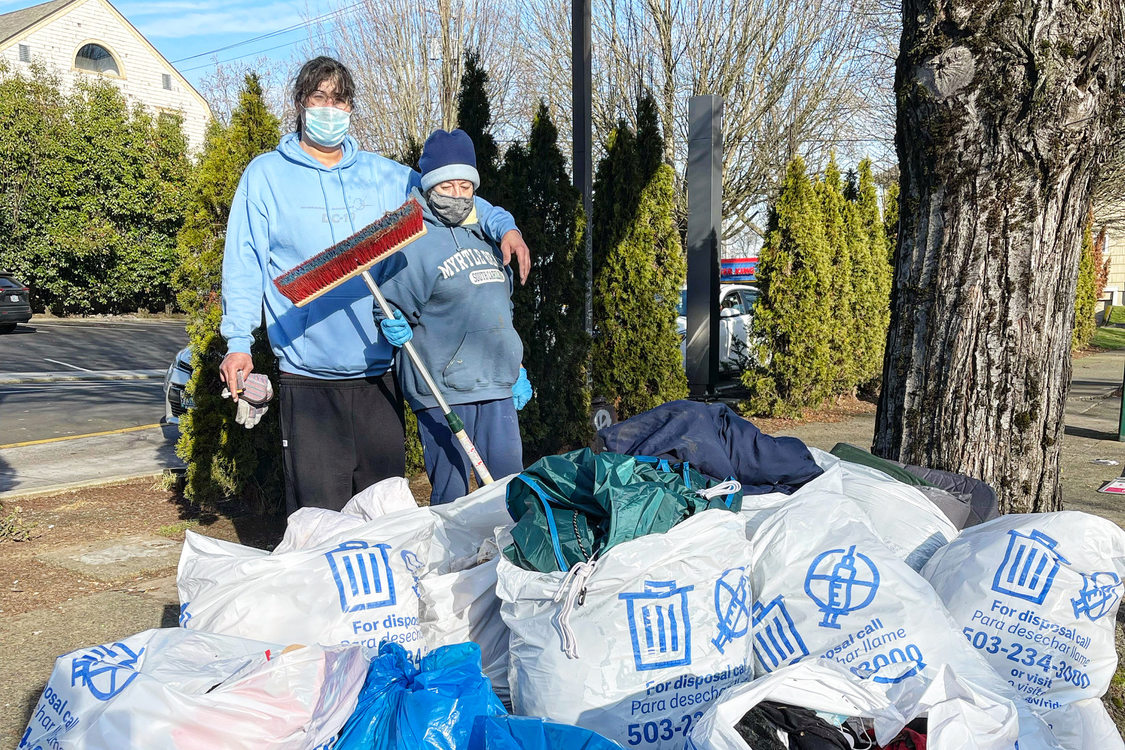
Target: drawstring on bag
pixel 571 592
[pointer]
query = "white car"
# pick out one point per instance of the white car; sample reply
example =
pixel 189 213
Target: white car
pixel 736 310
pixel 176 400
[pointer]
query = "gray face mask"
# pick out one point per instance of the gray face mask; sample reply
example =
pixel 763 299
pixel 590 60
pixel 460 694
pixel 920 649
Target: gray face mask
pixel 450 210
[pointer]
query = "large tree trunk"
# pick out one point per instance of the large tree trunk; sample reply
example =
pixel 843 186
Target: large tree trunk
pixel 1004 107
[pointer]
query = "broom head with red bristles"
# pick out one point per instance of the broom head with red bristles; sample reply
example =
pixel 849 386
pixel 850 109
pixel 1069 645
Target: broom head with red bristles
pixel 351 257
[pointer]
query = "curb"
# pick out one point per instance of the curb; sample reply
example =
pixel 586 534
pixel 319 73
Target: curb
pixel 17 378
pixel 67 487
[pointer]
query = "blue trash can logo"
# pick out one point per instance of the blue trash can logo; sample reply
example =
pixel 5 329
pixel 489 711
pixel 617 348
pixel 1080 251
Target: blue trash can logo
pixel 105 670
pixel 363 575
pixel 1029 566
pixel 1099 595
pixel 659 625
pixel 776 640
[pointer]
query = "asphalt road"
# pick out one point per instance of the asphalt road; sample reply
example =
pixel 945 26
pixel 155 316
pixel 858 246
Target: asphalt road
pixel 37 411
pixel 95 344
pixel 64 348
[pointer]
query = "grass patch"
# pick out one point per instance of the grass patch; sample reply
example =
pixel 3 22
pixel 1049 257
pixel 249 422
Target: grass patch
pixel 13 526
pixel 1109 338
pixel 175 530
pixel 1115 314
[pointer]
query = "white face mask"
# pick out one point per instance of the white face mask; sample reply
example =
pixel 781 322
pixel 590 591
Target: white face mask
pixel 326 126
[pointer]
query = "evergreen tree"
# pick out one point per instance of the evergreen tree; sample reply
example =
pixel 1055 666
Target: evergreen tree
pixel 224 459
pixel 890 220
pixel 639 266
pixel 792 317
pixel 837 284
pixel 872 280
pixel 1086 292
pixel 474 116
pixel 550 308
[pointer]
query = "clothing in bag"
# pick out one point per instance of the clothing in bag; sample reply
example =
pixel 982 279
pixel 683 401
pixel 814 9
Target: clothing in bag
pixel 573 507
pixel 825 585
pixel 960 718
pixel 1036 595
pixel 433 705
pixel 184 690
pixel 717 442
pixel 765 725
pixel 358 585
pixel 637 644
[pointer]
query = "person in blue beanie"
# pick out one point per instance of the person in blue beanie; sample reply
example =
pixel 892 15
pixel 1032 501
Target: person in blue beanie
pixel 342 422
pixel 452 287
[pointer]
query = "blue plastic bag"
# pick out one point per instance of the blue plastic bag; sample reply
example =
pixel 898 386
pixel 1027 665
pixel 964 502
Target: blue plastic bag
pixel 527 733
pixel 434 705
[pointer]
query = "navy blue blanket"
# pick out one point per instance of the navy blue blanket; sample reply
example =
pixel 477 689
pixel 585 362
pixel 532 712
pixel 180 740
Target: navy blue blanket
pixel 716 442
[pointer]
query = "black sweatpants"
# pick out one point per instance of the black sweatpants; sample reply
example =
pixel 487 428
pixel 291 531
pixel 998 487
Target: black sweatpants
pixel 339 437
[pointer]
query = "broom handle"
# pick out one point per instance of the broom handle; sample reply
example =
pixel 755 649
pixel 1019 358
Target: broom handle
pixel 456 426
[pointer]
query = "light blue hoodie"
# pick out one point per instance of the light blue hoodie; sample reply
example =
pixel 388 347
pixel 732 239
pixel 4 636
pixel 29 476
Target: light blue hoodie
pixel 289 207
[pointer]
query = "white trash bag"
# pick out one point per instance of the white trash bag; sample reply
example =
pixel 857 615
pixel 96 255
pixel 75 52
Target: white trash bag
pixel 184 690
pixel 1036 595
pixel 459 601
pixel 901 516
pixel 638 644
pixel 757 508
pixel 826 586
pixel 359 585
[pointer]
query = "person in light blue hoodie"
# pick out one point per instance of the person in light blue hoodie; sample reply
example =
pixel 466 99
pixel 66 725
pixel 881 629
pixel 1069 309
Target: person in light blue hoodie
pixel 451 286
pixel 342 424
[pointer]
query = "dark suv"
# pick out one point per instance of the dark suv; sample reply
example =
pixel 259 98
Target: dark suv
pixel 15 304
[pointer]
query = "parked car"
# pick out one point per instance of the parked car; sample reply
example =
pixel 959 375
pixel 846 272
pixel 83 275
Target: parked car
pixel 176 400
pixel 15 303
pixel 736 310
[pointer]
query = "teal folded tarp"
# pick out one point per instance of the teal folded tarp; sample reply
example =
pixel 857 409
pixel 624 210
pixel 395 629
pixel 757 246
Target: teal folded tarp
pixel 573 507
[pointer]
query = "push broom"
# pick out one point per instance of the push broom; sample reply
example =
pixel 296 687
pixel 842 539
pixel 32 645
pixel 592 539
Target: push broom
pixel 354 257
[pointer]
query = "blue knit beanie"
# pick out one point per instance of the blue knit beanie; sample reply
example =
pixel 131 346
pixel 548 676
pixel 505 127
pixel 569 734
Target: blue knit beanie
pixel 448 156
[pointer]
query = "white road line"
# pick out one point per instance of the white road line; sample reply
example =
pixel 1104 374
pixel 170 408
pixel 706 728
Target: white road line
pixel 64 364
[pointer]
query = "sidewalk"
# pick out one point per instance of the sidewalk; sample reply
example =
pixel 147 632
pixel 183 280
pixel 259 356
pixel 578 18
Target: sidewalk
pixel 84 461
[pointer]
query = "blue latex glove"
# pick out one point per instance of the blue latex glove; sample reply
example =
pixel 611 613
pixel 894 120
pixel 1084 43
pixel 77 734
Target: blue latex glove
pixel 521 390
pixel 396 330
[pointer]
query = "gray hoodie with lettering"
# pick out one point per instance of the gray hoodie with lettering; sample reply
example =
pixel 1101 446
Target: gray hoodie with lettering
pixel 453 287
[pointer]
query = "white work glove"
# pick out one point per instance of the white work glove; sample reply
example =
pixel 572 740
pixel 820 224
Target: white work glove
pixel 254 396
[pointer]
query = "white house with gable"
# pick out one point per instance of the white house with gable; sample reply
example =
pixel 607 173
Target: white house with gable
pixel 79 38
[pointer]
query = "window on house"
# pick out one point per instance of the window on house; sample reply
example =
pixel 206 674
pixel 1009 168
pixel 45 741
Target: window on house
pixel 25 53
pixel 166 80
pixel 97 59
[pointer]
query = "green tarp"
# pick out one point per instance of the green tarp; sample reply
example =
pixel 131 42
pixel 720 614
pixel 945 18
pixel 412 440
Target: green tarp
pixel 573 507
pixel 852 454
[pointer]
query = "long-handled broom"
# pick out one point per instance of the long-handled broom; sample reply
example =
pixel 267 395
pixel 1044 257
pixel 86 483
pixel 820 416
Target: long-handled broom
pixel 354 257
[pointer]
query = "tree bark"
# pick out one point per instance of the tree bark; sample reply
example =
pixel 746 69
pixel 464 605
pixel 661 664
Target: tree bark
pixel 1004 110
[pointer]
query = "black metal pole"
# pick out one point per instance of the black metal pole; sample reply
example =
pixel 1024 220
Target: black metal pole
pixel 583 135
pixel 704 231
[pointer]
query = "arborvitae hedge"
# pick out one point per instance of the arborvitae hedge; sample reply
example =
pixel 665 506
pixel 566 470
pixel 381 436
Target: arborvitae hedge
pixel 474 116
pixel 793 317
pixel 839 233
pixel 639 266
pixel 872 280
pixel 224 459
pixel 1086 293
pixel 550 308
